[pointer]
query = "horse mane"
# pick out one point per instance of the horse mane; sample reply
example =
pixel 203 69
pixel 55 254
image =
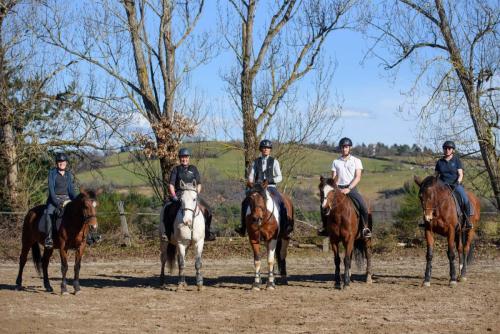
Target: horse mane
pixel 258 188
pixel 432 180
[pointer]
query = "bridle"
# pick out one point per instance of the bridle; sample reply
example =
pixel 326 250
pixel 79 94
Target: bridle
pixel 194 211
pixel 264 209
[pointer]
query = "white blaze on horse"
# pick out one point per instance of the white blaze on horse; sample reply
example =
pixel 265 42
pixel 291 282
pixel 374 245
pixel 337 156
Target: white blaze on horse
pixel 189 229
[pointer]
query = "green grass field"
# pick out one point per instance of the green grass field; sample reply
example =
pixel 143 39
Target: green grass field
pixel 219 161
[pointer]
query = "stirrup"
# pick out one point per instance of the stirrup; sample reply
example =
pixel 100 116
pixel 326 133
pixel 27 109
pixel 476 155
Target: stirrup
pixel 210 236
pixel 48 243
pixel 323 232
pixel 366 233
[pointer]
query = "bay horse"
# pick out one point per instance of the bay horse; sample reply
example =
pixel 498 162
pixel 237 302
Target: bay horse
pixel 78 218
pixel 343 226
pixel 189 228
pixel 262 223
pixel 441 217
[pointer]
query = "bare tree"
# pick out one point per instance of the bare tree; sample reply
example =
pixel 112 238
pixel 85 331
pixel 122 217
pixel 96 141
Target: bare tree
pixel 456 45
pixel 270 61
pixel 37 114
pixel 149 49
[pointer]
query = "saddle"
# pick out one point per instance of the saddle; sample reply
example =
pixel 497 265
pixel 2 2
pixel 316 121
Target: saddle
pixel 459 206
pixel 56 221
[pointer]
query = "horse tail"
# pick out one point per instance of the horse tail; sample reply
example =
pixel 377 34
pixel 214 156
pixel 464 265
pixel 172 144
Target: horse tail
pixel 37 257
pixel 470 253
pixel 279 244
pixel 171 252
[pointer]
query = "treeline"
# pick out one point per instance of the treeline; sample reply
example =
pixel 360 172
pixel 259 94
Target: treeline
pixel 378 149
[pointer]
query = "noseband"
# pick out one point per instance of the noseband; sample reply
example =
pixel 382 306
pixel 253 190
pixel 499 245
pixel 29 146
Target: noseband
pixel 195 212
pixel 259 221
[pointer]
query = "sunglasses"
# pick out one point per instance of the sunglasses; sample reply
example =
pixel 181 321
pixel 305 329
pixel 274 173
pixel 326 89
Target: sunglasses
pixel 447 148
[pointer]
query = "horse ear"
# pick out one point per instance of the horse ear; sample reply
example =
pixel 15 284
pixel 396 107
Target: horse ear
pixel 417 180
pixel 249 185
pixel 194 183
pixel 265 183
pixel 182 184
pixel 83 191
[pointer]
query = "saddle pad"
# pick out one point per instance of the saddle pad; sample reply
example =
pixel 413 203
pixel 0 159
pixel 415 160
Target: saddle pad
pixel 55 225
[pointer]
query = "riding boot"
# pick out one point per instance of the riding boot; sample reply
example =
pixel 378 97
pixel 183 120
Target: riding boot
pixel 366 233
pixel 467 224
pixel 48 229
pixel 241 230
pixel 209 236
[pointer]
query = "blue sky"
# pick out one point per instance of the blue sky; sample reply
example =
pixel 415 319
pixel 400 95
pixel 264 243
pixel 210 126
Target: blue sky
pixel 370 98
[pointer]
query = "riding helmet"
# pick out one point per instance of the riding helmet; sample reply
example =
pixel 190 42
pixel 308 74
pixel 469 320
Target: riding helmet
pixel 449 144
pixel 184 152
pixel 265 143
pixel 345 142
pixel 61 157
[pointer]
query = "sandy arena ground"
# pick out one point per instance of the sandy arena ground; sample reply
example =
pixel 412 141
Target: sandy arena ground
pixel 124 297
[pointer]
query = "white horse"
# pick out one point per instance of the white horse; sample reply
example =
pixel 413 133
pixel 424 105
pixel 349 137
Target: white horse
pixel 189 228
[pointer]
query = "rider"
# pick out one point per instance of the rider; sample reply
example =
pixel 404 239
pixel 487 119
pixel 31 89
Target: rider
pixel 267 168
pixel 187 173
pixel 348 168
pixel 60 191
pixel 449 170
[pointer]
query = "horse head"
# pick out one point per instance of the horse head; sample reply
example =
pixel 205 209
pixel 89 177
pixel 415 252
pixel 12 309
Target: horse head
pixel 88 201
pixel 257 200
pixel 326 191
pixel 189 201
pixel 430 195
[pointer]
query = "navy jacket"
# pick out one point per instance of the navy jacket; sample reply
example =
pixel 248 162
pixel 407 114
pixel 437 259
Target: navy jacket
pixel 52 183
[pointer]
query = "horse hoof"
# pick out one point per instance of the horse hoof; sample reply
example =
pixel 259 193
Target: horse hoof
pixel 426 284
pixel 369 280
pixel 338 286
pixel 180 287
pixel 462 279
pixel 49 289
pixel 77 292
pixel 453 284
pixel 64 293
pixel 347 287
pixel 270 286
pixel 255 287
pixel 201 287
pixel 284 281
pixel 19 288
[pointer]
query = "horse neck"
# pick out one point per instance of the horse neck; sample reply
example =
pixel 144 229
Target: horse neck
pixel 340 201
pixel 74 214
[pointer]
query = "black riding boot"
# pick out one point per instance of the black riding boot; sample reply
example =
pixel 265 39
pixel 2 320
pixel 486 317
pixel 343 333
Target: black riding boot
pixel 366 233
pixel 241 230
pixel 467 224
pixel 48 229
pixel 209 236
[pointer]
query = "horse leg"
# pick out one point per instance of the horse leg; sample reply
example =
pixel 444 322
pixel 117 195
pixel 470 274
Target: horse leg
pixel 467 240
pixel 336 259
pixel 47 253
pixel 181 256
pixel 282 260
pixel 22 262
pixel 198 264
pixel 256 262
pixel 428 257
pixel 78 262
pixel 368 254
pixel 64 269
pixel 451 258
pixel 349 245
pixel 271 250
pixel 460 252
pixel 163 259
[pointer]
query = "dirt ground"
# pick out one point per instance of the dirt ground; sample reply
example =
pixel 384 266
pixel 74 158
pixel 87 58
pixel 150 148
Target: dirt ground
pixel 124 297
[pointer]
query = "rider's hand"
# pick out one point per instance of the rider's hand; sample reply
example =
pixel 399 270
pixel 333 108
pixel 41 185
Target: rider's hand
pixel 175 199
pixel 345 191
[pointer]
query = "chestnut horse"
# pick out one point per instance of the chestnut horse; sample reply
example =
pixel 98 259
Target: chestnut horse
pixel 79 216
pixel 262 223
pixel 343 226
pixel 440 216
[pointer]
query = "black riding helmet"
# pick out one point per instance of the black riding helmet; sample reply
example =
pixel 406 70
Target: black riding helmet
pixel 265 143
pixel 184 152
pixel 448 144
pixel 61 157
pixel 345 142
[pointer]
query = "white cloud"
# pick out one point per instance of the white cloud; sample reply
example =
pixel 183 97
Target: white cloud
pixel 353 113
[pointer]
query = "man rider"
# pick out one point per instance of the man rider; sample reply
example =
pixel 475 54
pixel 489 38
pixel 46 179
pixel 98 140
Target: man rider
pixel 187 173
pixel 347 168
pixel 60 191
pixel 449 169
pixel 267 168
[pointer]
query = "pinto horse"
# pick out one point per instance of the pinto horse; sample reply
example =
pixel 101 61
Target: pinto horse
pixel 343 226
pixel 189 228
pixel 440 216
pixel 78 218
pixel 262 223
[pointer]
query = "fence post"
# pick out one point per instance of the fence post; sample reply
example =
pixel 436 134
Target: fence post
pixel 123 222
pixel 326 245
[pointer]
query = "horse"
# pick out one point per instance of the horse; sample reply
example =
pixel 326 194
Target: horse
pixel 189 228
pixel 78 218
pixel 343 226
pixel 262 223
pixel 440 216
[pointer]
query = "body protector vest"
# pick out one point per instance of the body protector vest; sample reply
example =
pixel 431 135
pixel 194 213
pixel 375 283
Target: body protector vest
pixel 261 175
pixel 186 174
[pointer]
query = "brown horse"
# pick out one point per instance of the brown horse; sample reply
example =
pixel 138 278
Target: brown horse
pixel 78 217
pixel 343 226
pixel 440 216
pixel 262 223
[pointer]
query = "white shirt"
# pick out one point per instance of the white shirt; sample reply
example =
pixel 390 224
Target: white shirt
pixel 345 169
pixel 276 171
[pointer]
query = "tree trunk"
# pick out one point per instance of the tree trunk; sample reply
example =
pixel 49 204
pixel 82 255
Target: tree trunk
pixel 249 125
pixel 8 155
